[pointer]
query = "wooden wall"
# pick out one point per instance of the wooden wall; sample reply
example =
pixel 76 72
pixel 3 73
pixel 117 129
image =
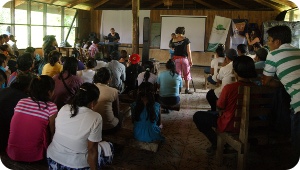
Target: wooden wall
pixel 253 16
pixel 88 21
pixel 200 58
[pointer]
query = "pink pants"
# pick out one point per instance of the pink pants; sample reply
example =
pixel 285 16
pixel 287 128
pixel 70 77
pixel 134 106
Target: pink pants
pixel 183 67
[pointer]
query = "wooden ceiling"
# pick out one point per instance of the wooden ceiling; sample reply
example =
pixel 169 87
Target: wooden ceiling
pixel 259 5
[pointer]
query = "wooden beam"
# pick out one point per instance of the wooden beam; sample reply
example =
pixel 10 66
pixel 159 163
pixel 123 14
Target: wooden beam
pixel 289 4
pixel 156 4
pixel 270 5
pixel 74 3
pixel 205 4
pixel 100 3
pixel 127 4
pixel 135 26
pixel 235 4
pixel 52 1
pixel 19 2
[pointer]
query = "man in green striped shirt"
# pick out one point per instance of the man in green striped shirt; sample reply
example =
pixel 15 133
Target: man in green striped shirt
pixel 284 61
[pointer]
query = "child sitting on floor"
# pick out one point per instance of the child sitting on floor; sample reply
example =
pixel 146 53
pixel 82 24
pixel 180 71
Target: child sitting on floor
pixel 146 115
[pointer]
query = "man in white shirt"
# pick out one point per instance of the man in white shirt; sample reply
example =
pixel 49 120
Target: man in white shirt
pixel 225 76
pixel 13 43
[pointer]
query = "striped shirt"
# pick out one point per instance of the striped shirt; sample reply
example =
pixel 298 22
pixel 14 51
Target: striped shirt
pixel 285 62
pixel 28 130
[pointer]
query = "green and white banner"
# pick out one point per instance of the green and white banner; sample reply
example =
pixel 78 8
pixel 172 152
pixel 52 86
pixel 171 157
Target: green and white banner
pixel 219 32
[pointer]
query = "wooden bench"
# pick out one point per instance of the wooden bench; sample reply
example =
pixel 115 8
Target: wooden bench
pixel 125 137
pixel 253 103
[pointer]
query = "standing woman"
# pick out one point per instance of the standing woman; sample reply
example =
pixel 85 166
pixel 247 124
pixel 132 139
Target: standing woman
pixel 33 116
pixel 183 56
pixel 253 38
pixel 48 46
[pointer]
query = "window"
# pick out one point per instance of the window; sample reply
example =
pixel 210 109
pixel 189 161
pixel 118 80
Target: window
pixel 21 36
pixel 31 33
pixel 21 12
pixel 292 15
pixel 55 31
pixel 36 36
pixel 5 18
pixel 53 15
pixel 37 13
pixel 5 13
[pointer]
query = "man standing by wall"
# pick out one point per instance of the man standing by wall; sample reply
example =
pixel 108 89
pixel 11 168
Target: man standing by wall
pixel 284 61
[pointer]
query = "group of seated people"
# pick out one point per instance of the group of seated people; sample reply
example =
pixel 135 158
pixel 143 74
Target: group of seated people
pixel 239 69
pixel 61 107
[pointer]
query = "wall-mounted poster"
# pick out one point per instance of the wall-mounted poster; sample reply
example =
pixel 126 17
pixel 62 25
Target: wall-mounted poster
pixel 238 31
pixel 219 32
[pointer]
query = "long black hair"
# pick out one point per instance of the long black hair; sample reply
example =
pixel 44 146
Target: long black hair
pixel 102 75
pixel 148 68
pixel 39 89
pixel 146 90
pixel 170 65
pixel 54 57
pixel 70 66
pixel 86 94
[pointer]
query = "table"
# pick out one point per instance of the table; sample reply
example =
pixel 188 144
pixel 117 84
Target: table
pixel 66 49
pixel 104 47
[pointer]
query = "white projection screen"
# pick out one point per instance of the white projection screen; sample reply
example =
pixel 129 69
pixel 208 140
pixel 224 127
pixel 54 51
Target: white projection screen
pixel 121 20
pixel 194 30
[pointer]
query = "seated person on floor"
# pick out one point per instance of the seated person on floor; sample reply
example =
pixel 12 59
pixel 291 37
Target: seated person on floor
pixel 94 49
pixel 78 133
pixel 169 83
pixel 257 46
pixel 76 54
pixel 25 64
pixel 145 113
pixel 260 58
pixel 214 64
pixel 87 74
pixel 118 72
pixel 224 76
pixel 3 78
pixel 36 59
pixel 242 49
pixel 19 90
pixel 148 75
pixel 244 70
pixel 4 71
pixel 108 102
pixel 53 67
pixel 33 117
pixel 123 58
pixel 132 72
pixel 66 83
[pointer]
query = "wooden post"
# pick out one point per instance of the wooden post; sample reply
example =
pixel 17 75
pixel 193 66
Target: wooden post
pixel 135 26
